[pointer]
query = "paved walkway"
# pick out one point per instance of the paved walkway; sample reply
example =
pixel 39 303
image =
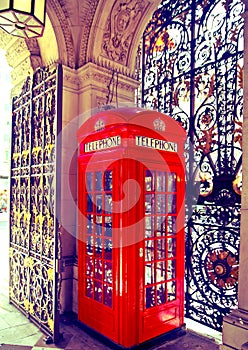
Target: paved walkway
pixel 17 333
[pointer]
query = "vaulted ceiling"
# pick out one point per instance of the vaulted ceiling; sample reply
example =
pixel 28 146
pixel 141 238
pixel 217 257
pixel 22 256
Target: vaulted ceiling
pixel 101 31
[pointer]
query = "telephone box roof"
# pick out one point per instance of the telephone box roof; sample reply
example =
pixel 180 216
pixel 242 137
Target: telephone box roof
pixel 149 119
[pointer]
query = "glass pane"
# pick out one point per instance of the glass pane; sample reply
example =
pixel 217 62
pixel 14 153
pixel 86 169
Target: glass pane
pixel 99 229
pixel 171 290
pixel 108 180
pixel 98 269
pixel 98 246
pixel 108 272
pixel 39 10
pixel 150 297
pixel 89 203
pixel 160 271
pixel 24 6
pixel 172 208
pixel 161 181
pixel 98 203
pixel 160 199
pixel 149 274
pixel 149 250
pixel 89 288
pixel 90 243
pixel 4 5
pixel 171 269
pixel 108 249
pixel 89 182
pixel 99 219
pixel 161 249
pixel 149 227
pixel 89 266
pixel 161 292
pixel 149 181
pixel 98 181
pixel 161 226
pixel 171 225
pixel 89 223
pixel 108 203
pixel 171 182
pixel 108 226
pixel 108 295
pixel 171 247
pixel 149 203
pixel 98 291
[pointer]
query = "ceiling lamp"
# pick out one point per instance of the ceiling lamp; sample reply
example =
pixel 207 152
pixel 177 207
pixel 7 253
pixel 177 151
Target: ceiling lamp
pixel 23 18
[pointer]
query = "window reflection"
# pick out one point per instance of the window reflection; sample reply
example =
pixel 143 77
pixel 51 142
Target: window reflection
pixel 171 182
pixel 108 180
pixel 98 259
pixel 161 181
pixel 160 241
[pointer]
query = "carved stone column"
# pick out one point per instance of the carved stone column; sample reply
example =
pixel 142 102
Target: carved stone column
pixel 235 325
pixel 68 219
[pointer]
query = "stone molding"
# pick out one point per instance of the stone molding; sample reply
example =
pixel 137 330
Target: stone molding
pixel 70 79
pixel 91 75
pixel 61 25
pixel 86 19
pixel 101 76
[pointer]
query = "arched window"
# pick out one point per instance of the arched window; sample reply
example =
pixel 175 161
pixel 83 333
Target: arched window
pixel 192 66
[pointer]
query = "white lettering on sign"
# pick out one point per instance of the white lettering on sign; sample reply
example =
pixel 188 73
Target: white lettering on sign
pixel 99 145
pixel 161 145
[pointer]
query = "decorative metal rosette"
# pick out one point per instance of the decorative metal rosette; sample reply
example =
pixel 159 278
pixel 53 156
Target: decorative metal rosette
pixel 215 264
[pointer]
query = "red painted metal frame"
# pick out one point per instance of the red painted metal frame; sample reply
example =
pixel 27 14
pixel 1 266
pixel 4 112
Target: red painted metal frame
pixel 128 322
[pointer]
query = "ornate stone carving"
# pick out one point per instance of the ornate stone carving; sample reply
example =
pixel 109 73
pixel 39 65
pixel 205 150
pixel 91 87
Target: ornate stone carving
pixel 98 78
pixel 4 39
pixel 120 28
pixel 17 52
pixel 64 25
pixel 20 72
pixel 70 78
pixel 87 12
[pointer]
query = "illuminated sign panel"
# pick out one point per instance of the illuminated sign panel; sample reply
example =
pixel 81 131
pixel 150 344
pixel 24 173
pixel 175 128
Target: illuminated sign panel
pixel 102 144
pixel 161 145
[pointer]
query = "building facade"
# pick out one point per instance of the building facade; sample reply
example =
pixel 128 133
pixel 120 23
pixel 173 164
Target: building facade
pixel 94 44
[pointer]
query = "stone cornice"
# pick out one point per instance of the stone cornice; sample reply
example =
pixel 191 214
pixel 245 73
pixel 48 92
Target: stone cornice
pixel 93 75
pixel 70 79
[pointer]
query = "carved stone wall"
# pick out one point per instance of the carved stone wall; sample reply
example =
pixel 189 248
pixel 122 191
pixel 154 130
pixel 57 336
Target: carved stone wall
pixel 119 29
pixel 118 26
pixel 18 58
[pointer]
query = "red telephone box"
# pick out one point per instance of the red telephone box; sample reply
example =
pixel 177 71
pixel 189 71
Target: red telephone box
pixel 131 191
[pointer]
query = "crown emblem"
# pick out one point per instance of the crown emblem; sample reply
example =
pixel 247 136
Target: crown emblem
pixel 159 124
pixel 100 125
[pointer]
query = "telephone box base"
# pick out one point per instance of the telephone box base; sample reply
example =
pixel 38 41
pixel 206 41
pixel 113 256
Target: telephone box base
pixel 157 341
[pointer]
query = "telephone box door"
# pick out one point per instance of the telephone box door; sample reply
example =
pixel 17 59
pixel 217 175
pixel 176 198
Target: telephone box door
pixel 98 261
pixel 161 253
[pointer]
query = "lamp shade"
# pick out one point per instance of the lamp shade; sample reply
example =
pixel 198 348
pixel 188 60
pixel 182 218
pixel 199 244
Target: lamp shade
pixel 23 18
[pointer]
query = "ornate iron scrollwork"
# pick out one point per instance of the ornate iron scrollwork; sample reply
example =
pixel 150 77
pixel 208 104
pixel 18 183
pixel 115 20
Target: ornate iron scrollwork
pixel 34 235
pixel 192 70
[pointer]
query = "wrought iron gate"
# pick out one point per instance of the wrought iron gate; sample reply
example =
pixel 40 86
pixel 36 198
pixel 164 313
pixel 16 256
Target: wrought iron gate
pixel 34 200
pixel 192 59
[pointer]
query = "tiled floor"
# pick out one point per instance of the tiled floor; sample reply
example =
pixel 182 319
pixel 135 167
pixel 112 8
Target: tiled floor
pixel 17 333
